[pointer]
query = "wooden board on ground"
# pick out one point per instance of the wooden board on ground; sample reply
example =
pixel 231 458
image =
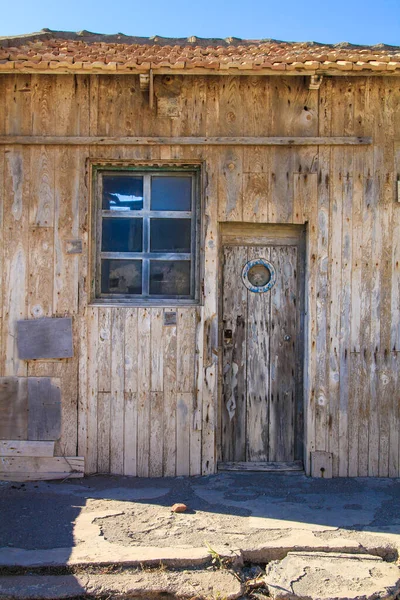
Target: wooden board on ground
pixel 23 448
pixel 295 465
pixel 45 338
pixel 34 468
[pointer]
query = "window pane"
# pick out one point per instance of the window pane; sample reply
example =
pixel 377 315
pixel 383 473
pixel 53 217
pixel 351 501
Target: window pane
pixel 122 193
pixel 121 276
pixel 122 235
pixel 171 193
pixel 170 278
pixel 170 235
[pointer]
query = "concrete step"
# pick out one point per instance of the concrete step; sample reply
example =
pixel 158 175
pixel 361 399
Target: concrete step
pixel 204 584
pixel 332 576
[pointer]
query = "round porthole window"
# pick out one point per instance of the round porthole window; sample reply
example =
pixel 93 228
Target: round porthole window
pixel 258 275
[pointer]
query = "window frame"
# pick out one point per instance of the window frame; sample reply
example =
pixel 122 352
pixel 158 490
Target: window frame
pixel 145 214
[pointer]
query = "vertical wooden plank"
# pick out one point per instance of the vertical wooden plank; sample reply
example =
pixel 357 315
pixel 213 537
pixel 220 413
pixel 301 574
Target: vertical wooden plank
pixel 117 392
pixel 130 434
pixel 41 205
pixel 195 434
pixel 230 190
pixel 156 435
pixel 256 375
pixel 144 381
pixel 283 352
pixel 394 433
pixel 335 274
pixel 68 165
pixel 234 334
pixel 41 257
pixel 104 349
pixel 345 320
pixel 16 253
pixel 131 387
pixel 104 401
pixel 131 350
pixel 2 202
pixel 210 316
pixel 186 349
pixel 92 381
pixel 183 409
pixel 256 193
pixel 156 350
pixel 170 376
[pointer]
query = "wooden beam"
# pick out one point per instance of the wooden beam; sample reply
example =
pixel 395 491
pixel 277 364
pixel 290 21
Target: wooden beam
pixel 295 465
pixel 25 468
pixel 35 140
pixel 25 448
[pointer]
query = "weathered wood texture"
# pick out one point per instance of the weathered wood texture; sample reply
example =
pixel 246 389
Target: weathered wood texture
pixel 346 196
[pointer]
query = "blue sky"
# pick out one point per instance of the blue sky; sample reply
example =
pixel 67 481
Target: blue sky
pixel 356 21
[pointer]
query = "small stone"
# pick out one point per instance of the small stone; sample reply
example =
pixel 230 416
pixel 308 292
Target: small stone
pixel 179 507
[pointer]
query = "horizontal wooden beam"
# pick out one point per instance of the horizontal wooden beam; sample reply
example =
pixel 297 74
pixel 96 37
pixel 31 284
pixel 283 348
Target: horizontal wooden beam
pixel 47 140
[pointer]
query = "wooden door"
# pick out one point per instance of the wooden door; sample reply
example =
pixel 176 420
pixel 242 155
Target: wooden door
pixel 262 408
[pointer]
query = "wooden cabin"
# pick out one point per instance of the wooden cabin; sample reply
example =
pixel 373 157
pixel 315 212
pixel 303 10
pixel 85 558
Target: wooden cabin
pixel 200 245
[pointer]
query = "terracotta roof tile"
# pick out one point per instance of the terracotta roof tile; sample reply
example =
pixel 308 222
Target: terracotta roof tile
pixel 62 51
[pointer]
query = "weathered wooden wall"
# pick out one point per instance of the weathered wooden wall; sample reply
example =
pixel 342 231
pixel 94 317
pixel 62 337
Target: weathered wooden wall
pixel 140 397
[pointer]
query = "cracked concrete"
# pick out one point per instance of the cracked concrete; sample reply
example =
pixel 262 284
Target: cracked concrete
pixel 257 517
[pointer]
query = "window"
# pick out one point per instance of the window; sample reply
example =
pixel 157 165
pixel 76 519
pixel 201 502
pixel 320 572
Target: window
pixel 146 235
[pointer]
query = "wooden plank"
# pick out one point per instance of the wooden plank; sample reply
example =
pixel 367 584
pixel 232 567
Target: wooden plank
pixel 117 393
pixel 91 380
pixel 283 354
pixel 130 434
pixel 186 349
pixel 345 319
pixel 157 355
pixel 256 194
pixel 15 228
pixel 25 468
pixel 234 334
pixel 196 424
pixel 268 466
pixel 104 350
pixel 321 464
pixel 41 202
pixel 183 141
pixel 45 338
pixel 144 381
pixel 230 185
pixel 169 385
pixel 24 448
pixel 256 374
pixel 44 406
pixel 210 319
pixel 41 259
pixel 156 434
pixel 13 408
pixel 103 431
pixel 131 350
pixel 67 197
pixel 335 275
pixel 183 410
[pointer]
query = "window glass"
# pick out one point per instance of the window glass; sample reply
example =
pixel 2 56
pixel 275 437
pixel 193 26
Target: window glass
pixel 122 235
pixel 171 193
pixel 170 235
pixel 170 278
pixel 121 276
pixel 122 192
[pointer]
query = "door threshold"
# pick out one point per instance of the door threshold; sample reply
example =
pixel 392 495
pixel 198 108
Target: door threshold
pixel 272 467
